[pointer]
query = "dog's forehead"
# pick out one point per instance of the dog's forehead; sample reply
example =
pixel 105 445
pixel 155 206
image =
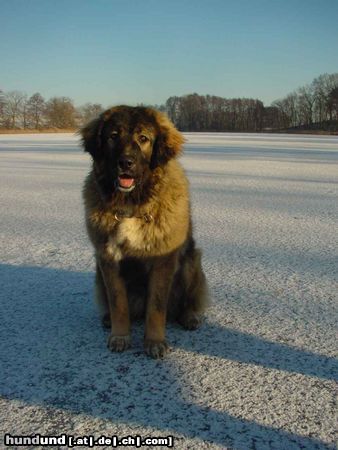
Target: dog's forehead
pixel 132 120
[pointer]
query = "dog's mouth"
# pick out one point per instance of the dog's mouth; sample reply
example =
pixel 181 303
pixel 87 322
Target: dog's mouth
pixel 125 183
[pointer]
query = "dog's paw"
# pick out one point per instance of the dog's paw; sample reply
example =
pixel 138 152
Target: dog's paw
pixel 191 321
pixel 156 349
pixel 119 343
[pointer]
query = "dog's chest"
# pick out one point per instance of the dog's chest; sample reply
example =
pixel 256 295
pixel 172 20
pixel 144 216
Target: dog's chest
pixel 132 238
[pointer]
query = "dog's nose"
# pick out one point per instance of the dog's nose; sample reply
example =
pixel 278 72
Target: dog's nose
pixel 126 162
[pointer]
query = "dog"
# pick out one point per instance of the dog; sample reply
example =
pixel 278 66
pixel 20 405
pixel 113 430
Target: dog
pixel 138 218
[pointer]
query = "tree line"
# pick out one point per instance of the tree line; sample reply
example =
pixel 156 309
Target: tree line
pixel 314 106
pixel 210 113
pixel 18 111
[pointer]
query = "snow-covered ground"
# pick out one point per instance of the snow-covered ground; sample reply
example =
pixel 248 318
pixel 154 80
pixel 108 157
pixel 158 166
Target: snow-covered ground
pixel 259 374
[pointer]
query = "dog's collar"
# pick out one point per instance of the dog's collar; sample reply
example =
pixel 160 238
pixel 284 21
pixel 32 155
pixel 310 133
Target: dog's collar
pixel 119 215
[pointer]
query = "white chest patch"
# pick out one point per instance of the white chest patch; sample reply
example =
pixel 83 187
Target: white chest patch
pixel 129 232
pixel 137 233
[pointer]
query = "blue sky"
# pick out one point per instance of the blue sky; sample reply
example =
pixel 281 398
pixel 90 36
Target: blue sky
pixel 133 51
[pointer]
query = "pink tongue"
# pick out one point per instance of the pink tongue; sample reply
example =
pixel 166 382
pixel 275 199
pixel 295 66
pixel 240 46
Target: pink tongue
pixel 126 182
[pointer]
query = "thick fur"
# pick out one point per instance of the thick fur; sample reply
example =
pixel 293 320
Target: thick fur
pixel 147 263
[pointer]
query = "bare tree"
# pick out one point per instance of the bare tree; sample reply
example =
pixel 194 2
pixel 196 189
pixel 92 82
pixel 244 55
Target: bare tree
pixel 61 113
pixel 333 104
pixel 2 108
pixel 24 113
pixel 323 86
pixel 36 108
pixel 13 109
pixel 89 111
pixel 320 99
pixel 306 100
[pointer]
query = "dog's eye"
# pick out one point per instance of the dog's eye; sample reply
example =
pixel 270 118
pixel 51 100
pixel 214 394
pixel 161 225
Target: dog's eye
pixel 143 139
pixel 114 135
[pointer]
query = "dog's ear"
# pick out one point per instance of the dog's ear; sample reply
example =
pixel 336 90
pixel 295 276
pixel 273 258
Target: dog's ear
pixel 91 136
pixel 168 143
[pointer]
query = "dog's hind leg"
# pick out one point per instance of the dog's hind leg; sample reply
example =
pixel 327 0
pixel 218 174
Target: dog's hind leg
pixel 101 298
pixel 195 296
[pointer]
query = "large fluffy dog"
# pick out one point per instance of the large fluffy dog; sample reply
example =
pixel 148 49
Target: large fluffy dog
pixel 138 219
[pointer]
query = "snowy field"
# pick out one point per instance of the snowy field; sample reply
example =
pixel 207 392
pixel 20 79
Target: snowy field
pixel 260 374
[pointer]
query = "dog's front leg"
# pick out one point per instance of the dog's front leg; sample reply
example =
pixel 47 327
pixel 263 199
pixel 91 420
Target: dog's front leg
pixel 160 282
pixel 119 339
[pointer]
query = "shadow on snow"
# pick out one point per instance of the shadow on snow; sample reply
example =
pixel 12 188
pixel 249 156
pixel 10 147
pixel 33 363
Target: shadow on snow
pixel 53 354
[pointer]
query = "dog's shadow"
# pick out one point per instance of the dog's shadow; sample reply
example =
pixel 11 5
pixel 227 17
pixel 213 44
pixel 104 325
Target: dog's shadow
pixel 54 354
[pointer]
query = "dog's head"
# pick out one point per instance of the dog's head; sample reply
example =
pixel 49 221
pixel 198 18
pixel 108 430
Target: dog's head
pixel 128 144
